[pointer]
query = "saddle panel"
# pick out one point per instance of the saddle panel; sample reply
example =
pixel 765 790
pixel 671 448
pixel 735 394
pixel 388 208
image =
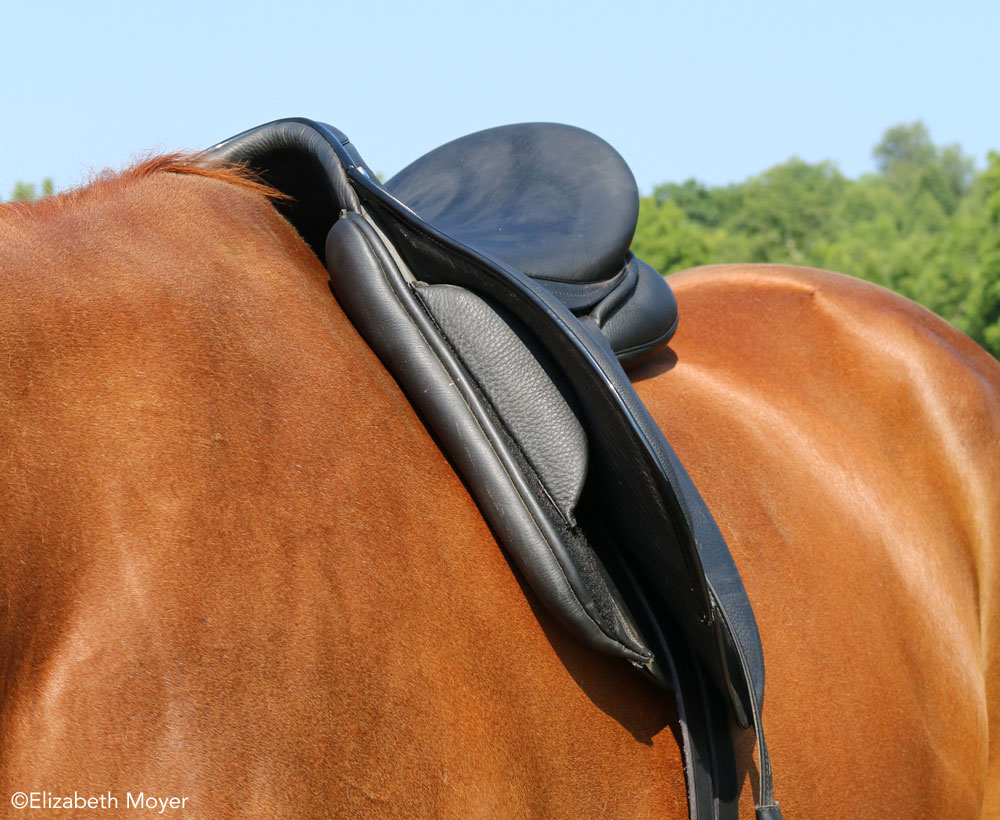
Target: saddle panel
pixel 642 307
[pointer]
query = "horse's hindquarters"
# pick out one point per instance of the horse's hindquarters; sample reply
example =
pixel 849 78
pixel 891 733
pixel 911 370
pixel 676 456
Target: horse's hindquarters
pixel 845 441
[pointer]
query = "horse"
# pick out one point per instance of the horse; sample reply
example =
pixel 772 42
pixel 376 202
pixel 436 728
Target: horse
pixel 240 580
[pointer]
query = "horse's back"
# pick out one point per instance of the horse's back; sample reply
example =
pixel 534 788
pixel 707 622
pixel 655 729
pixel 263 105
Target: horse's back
pixel 237 568
pixel 846 440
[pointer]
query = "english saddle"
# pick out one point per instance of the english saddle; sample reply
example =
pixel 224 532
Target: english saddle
pixel 494 280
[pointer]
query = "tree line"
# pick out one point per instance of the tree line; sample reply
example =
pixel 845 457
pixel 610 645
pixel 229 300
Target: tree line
pixel 926 224
pixel 28 191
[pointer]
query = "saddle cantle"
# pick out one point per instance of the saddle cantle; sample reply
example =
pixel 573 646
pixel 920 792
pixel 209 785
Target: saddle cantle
pixel 494 280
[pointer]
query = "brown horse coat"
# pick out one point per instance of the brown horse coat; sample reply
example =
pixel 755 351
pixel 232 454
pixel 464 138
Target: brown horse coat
pixel 234 566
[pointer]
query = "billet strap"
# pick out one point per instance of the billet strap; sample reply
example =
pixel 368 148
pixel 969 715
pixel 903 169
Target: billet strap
pixel 707 751
pixel 706 728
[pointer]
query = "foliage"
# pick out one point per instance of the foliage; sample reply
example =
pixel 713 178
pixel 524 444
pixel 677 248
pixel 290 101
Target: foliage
pixel 28 192
pixel 925 224
pixel 983 311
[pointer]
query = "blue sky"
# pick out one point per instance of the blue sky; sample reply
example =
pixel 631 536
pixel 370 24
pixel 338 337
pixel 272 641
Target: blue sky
pixel 716 91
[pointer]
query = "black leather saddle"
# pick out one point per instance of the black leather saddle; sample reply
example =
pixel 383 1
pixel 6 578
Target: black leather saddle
pixel 494 280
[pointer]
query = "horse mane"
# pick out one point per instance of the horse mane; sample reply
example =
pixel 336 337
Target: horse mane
pixel 108 182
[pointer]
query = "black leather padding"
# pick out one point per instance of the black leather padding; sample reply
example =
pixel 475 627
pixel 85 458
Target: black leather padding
pixel 522 383
pixel 555 558
pixel 553 201
pixel 298 160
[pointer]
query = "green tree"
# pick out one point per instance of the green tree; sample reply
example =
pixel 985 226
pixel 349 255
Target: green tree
pixel 925 224
pixel 902 146
pixel 710 207
pixel 668 240
pixel 788 209
pixel 913 166
pixel 28 191
pixel 983 320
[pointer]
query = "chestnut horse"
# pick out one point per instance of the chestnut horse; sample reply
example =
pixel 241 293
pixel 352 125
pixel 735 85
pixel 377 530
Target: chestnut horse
pixel 236 571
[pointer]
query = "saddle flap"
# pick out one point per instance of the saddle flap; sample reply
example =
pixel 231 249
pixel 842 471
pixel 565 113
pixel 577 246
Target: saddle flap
pixel 652 508
pixel 380 295
pixel 410 275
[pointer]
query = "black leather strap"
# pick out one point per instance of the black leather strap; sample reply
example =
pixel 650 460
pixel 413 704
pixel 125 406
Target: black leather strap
pixel 705 728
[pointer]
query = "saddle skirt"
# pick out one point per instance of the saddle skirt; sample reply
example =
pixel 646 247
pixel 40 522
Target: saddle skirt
pixel 493 278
